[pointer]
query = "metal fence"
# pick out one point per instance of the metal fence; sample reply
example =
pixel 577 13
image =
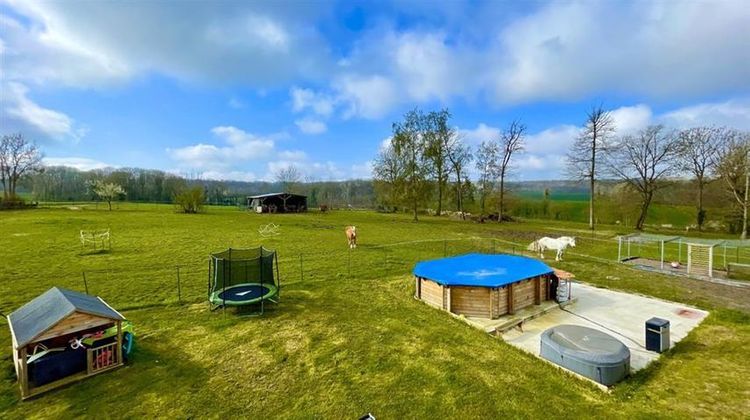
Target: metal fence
pixel 188 283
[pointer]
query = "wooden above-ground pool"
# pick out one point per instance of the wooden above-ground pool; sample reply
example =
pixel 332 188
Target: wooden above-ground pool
pixel 484 285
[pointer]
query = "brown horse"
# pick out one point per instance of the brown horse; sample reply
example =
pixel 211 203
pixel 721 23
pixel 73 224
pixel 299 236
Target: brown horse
pixel 351 236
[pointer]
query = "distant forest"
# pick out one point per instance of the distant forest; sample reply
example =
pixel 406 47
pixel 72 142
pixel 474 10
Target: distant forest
pixel 561 200
pixel 61 183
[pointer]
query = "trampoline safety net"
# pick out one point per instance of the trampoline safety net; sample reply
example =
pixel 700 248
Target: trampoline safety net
pixel 232 268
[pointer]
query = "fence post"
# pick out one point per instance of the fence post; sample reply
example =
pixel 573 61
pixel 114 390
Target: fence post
pixel 301 269
pixel 385 263
pixel 85 285
pixel 179 292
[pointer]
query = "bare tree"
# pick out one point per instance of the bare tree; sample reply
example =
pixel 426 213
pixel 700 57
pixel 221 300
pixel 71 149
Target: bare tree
pixel 388 175
pixel 288 178
pixel 586 152
pixel 486 164
pixel 733 166
pixel 697 150
pixel 643 161
pixel 459 157
pixel 511 142
pixel 18 157
pixel 438 135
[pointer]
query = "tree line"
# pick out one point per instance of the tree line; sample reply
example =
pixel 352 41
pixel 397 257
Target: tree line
pixel 426 158
pixel 650 160
pixel 23 175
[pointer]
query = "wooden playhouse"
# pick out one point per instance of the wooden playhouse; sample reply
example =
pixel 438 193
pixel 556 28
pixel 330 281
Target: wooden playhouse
pixel 484 286
pixel 58 338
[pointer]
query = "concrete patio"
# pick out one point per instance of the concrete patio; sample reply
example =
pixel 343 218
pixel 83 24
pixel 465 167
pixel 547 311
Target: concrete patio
pixel 619 314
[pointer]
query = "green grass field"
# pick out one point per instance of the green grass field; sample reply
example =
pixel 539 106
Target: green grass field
pixel 348 337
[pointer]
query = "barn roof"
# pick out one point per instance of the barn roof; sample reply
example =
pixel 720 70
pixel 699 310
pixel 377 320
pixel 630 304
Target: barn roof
pixel 483 270
pixel 275 194
pixel 46 310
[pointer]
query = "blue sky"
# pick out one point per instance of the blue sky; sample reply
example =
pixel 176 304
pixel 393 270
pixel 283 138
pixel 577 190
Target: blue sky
pixel 234 90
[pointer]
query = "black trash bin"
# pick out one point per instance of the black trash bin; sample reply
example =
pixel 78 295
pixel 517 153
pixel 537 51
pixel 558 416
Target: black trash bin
pixel 657 335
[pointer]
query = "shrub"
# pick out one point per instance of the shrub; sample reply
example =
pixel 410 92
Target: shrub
pixel 12 203
pixel 189 200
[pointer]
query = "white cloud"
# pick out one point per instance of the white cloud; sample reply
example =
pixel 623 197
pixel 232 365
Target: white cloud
pixel 569 50
pixel 20 113
pixel 303 99
pixel 292 155
pixel 385 143
pixel 657 50
pixel 240 147
pixel 99 44
pixel 311 126
pixel 366 96
pixel 554 140
pixel 314 170
pixel 629 119
pixel 360 171
pixel 733 113
pixel 229 175
pixel 80 163
pixel 474 137
pixel 429 68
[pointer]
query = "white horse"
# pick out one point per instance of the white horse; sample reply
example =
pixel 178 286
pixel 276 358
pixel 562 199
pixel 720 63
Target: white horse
pixel 558 244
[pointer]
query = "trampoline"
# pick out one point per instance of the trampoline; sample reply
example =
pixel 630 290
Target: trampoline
pixel 587 352
pixel 243 294
pixel 243 277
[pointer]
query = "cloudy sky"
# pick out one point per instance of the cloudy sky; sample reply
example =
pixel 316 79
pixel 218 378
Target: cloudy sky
pixel 235 90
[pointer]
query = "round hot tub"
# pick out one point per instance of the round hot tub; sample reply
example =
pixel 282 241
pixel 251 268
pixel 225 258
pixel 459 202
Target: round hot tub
pixel 587 352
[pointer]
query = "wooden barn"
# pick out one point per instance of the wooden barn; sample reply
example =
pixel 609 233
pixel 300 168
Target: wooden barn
pixel 48 340
pixel 484 286
pixel 277 203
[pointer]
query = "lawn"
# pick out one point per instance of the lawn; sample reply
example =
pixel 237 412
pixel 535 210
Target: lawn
pixel 348 337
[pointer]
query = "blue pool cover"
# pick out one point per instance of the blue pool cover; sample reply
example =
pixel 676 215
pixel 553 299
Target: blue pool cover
pixel 484 270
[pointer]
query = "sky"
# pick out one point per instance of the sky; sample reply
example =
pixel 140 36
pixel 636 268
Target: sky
pixel 239 90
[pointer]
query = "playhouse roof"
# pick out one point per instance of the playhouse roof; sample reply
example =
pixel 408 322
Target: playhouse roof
pixel 46 310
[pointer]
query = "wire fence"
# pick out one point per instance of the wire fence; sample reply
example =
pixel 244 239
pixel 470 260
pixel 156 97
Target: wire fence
pixel 188 283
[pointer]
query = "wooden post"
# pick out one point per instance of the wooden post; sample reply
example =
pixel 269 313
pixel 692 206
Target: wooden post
pixel 179 292
pixel 511 309
pixel 447 298
pixel 23 377
pixel 89 362
pixel 537 291
pixel 417 291
pixel 662 256
pixel 493 292
pixel 119 343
